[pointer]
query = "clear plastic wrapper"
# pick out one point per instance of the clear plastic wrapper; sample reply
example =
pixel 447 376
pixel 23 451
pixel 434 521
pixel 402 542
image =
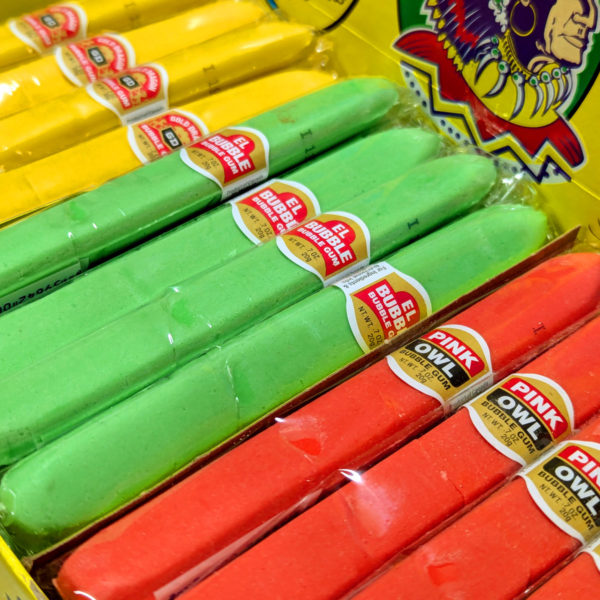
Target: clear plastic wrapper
pixel 25 37
pixel 520 533
pixel 147 90
pixel 257 485
pixel 88 229
pixel 190 317
pixel 80 63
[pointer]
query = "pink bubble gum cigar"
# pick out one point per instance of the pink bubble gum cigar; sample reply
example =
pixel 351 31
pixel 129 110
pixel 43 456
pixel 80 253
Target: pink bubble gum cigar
pixel 177 534
pixel 330 548
pixel 495 551
pixel 579 580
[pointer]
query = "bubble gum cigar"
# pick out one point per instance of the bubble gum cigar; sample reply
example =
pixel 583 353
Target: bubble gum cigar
pixel 191 317
pixel 129 281
pixel 579 580
pixel 91 16
pixel 508 542
pixel 383 510
pixel 168 191
pixel 96 468
pixel 74 65
pixel 181 77
pixel 45 182
pixel 264 478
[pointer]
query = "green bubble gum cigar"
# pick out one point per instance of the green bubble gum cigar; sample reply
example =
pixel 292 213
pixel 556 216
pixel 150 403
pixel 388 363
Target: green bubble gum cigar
pixel 135 350
pixel 131 447
pixel 137 277
pixel 94 226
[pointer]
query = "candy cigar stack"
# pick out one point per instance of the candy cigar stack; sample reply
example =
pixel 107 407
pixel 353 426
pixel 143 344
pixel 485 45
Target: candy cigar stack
pixel 140 277
pixel 150 89
pixel 306 454
pixel 26 37
pixel 230 377
pixel 193 316
pixel 385 509
pixel 83 62
pixel 542 532
pixel 168 191
pixel 267 334
pixel 126 149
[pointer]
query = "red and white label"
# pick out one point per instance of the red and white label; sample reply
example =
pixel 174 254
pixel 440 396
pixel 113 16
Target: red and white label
pixel 381 302
pixel 565 485
pixel 465 356
pixel 523 416
pixel 135 94
pixel 452 364
pixel 44 29
pixel 274 208
pixel 394 310
pixel 164 134
pixel 100 57
pixel 329 246
pixel 541 405
pixel 234 158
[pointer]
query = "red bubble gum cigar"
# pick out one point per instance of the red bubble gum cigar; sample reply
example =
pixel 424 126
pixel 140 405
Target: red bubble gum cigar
pixel 331 547
pixel 509 541
pixel 579 580
pixel 183 534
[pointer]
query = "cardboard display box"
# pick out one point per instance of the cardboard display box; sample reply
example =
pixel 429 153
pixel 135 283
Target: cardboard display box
pixel 503 77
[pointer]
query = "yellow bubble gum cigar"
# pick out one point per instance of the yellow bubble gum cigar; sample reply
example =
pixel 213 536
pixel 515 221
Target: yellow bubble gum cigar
pixel 148 90
pixel 79 63
pixel 25 37
pixel 56 177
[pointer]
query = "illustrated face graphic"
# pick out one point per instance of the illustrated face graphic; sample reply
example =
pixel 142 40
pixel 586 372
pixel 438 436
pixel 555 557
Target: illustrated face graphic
pixel 568 28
